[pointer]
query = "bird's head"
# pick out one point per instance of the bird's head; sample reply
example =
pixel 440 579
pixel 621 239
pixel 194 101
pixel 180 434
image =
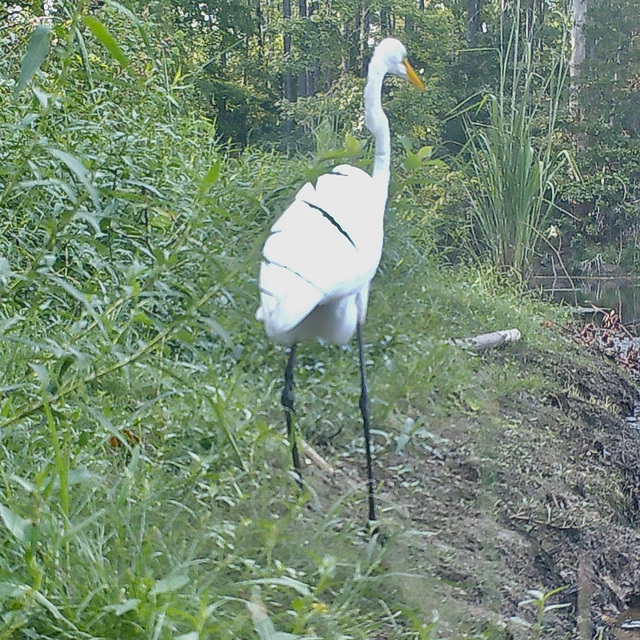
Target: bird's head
pixel 391 55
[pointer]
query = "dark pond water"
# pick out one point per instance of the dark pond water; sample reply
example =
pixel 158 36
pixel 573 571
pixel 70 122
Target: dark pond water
pixel 621 294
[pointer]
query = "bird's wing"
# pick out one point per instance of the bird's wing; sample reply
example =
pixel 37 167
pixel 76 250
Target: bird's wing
pixel 325 245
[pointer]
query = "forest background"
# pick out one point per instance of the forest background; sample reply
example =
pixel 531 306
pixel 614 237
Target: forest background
pixel 146 148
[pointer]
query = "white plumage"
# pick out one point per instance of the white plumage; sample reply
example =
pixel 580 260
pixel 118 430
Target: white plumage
pixel 316 270
pixel 323 251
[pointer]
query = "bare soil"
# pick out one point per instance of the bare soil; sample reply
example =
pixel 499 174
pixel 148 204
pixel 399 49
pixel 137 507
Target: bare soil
pixel 539 491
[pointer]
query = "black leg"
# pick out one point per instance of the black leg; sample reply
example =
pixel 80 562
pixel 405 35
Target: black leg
pixel 287 403
pixel 366 422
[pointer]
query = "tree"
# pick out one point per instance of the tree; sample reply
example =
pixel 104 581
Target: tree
pixel 578 54
pixel 473 22
pixel 288 79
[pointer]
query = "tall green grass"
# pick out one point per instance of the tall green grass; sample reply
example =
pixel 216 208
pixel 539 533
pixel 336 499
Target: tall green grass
pixel 513 155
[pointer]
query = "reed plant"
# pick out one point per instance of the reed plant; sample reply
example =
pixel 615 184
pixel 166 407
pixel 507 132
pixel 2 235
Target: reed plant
pixel 513 155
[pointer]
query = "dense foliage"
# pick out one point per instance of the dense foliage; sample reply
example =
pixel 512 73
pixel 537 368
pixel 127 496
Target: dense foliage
pixel 605 202
pixel 271 72
pixel 144 491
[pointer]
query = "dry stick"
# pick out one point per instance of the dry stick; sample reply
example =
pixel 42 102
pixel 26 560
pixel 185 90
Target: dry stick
pixel 604 312
pixel 316 458
pixel 585 594
pixel 557 252
pixel 325 466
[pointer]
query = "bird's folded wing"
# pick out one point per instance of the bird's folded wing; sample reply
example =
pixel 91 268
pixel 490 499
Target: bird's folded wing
pixel 285 299
pixel 311 256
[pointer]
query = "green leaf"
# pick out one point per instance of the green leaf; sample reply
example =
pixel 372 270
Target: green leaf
pixel 210 179
pixel 80 171
pixel 123 607
pixel 102 35
pixel 405 141
pixel 40 598
pixel 82 298
pixel 12 590
pixel 42 373
pixel 167 585
pixel 412 162
pixel 425 152
pixel 351 144
pixel 283 581
pixel 218 330
pixel 263 625
pixel 131 16
pixel 18 527
pixel 37 51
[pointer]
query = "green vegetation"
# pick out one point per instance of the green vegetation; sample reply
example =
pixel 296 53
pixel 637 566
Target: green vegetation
pixel 605 201
pixel 512 186
pixel 144 484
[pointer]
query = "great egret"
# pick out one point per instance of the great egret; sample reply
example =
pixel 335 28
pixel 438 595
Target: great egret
pixel 323 251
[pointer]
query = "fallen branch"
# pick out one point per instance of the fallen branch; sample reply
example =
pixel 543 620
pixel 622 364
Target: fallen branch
pixel 322 464
pixel 488 340
pixel 316 458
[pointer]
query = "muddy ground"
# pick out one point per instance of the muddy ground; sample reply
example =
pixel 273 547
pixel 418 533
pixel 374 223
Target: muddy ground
pixel 540 491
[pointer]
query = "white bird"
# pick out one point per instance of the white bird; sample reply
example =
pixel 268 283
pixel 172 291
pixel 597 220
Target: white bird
pixel 323 251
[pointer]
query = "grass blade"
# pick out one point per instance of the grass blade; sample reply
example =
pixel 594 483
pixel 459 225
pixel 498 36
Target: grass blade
pixel 80 172
pixel 18 527
pixel 104 37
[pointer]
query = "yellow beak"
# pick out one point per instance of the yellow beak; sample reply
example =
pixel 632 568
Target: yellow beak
pixel 412 76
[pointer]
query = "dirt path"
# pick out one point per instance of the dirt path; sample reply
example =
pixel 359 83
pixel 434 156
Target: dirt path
pixel 540 491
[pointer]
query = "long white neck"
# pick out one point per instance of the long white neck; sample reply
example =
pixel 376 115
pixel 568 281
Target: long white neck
pixel 376 121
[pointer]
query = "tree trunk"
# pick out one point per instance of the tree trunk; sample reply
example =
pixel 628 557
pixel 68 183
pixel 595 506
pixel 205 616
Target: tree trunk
pixel 346 59
pixel 530 18
pixel 303 83
pixel 288 84
pixel 473 22
pixel 364 37
pixel 356 36
pixel 385 23
pixel 312 73
pixel 541 16
pixel 578 55
pixel 260 20
pixel 409 28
